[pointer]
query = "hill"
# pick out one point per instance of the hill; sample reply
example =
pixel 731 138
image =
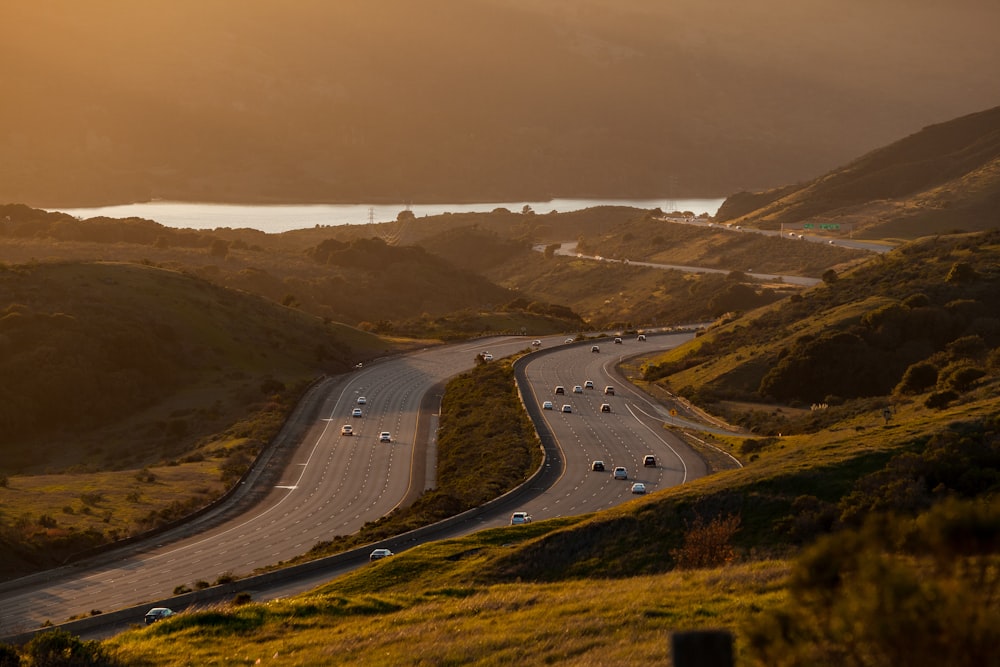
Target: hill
pixel 834 540
pixel 361 280
pixel 119 375
pixel 484 100
pixel 942 179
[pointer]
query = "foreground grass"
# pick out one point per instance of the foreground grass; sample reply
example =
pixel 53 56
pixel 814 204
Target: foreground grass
pixel 438 618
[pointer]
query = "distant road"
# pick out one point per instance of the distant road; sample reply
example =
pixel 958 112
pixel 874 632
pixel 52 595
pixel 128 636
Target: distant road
pixel 570 250
pixel 872 246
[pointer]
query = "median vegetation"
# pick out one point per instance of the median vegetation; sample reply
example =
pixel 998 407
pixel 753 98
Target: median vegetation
pixel 486 446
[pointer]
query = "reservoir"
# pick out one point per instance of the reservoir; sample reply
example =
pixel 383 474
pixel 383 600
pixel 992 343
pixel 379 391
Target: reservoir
pixel 274 219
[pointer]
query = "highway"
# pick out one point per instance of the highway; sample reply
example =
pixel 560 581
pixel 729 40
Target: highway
pixel 334 484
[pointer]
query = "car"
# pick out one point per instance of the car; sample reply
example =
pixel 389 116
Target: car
pixel 618 340
pixel 379 554
pixel 487 356
pixel 519 518
pixel 620 473
pixel 346 429
pixel 597 466
pixel 567 408
pixel 638 487
pixel 569 340
pixel 595 348
pixel 578 389
pixel 157 614
pixel 609 391
pixel 649 461
pixel 605 407
pixel 356 412
pixel 547 405
pixel 560 390
pixel 589 384
pixel 536 343
pixel 362 400
pixel 641 337
pixel 384 436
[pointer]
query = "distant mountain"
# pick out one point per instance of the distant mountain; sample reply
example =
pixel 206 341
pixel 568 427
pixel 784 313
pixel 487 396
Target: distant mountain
pixel 944 178
pixel 484 100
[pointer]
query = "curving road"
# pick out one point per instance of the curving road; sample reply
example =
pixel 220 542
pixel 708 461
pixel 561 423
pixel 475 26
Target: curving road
pixel 334 484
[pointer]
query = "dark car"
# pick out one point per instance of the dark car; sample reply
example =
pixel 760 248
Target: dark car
pixel 157 614
pixel 649 461
pixel 597 466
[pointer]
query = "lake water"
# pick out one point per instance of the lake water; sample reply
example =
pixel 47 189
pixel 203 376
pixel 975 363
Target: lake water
pixel 282 218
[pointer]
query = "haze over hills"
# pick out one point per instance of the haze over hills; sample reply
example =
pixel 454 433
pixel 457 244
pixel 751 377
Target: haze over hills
pixel 115 101
pixel 944 178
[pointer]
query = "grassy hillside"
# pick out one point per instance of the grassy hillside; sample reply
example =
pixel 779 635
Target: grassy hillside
pixel 918 319
pixel 358 278
pixel 944 178
pixel 450 275
pixel 133 394
pixel 833 541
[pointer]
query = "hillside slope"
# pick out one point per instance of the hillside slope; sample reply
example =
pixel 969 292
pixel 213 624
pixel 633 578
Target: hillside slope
pixel 944 178
pixel 843 538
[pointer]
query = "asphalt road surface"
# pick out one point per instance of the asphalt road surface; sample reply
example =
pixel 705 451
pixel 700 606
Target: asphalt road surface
pixel 334 484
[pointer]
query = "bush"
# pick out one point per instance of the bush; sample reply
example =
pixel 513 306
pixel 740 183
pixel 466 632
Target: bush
pixel 856 598
pixel 58 648
pixel 9 656
pixel 959 376
pixel 940 399
pixel 707 545
pixel 918 378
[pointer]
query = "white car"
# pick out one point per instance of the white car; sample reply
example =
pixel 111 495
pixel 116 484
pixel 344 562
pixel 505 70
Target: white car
pixel 618 340
pixel 589 384
pixel 384 436
pixel 620 473
pixel 536 343
pixel 519 518
pixel 569 340
pixel 346 429
pixel 577 389
pixel 547 405
pixel 362 400
pixel 487 356
pixel 567 408
pixel 595 348
pixel 356 412
pixel 638 487
pixel 379 554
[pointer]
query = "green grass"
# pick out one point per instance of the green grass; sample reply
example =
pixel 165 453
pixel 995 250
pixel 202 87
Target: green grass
pixel 432 617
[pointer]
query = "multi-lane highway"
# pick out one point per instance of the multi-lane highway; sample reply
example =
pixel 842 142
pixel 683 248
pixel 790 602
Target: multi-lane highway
pixel 336 483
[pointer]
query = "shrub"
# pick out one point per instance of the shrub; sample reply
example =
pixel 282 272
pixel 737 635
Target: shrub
pixel 58 648
pixel 918 378
pixel 959 376
pixel 708 545
pixel 940 399
pixel 855 598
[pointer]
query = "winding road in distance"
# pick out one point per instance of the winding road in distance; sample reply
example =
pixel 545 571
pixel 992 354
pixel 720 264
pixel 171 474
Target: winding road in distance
pixel 334 484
